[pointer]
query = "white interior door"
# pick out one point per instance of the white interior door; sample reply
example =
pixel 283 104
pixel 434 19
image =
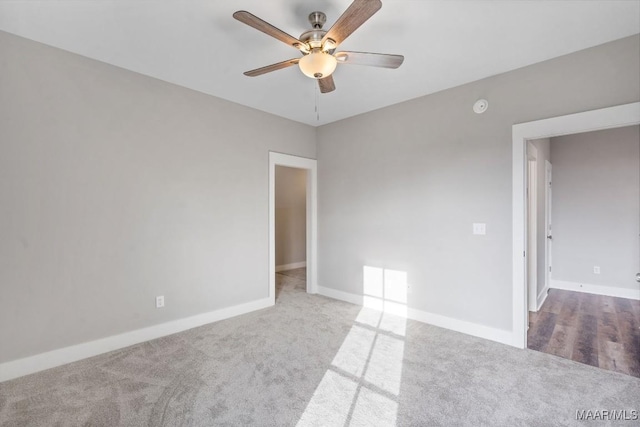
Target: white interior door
pixel 548 227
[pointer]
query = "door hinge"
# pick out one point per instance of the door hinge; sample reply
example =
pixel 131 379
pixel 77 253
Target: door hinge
pixel 524 254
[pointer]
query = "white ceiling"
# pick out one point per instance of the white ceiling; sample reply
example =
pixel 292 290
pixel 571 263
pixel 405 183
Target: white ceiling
pixel 197 44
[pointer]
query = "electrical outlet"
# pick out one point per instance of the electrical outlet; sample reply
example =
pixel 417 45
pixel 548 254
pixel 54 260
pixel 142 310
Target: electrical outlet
pixel 160 301
pixel 596 269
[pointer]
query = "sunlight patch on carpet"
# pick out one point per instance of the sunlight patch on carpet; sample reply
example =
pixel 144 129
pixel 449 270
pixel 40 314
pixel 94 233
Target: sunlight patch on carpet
pixel 362 385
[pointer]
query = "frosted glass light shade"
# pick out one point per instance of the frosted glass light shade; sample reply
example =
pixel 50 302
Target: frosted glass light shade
pixel 317 65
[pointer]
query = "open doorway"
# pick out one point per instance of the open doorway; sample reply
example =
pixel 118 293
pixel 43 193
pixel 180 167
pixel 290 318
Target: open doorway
pixel 291 227
pixel 523 135
pixel 592 313
pixel 292 219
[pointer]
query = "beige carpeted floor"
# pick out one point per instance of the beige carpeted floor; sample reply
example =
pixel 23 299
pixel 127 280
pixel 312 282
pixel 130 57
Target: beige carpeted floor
pixel 313 361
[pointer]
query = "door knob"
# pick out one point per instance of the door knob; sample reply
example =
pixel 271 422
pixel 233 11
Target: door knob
pixel 637 277
pixel 550 237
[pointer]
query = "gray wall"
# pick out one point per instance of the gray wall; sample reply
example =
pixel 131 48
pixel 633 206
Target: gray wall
pixel 544 153
pixel 115 188
pixel 596 207
pixel 401 186
pixel 291 215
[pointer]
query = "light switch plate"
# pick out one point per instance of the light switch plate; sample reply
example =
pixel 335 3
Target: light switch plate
pixel 479 228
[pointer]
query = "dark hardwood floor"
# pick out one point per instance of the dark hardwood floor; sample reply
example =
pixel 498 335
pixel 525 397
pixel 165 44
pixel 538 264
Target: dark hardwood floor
pixel 593 329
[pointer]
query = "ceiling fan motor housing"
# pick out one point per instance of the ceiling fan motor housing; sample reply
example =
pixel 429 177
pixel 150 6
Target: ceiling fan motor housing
pixel 314 36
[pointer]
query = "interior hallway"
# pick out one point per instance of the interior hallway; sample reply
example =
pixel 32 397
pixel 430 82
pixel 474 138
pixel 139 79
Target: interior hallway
pixel 597 330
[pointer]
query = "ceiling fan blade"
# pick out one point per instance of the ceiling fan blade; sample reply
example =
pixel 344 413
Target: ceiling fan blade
pixel 326 85
pixel 257 23
pixel 355 15
pixel 272 67
pixel 371 59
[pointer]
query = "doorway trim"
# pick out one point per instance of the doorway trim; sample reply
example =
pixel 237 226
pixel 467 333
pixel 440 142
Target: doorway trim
pixel 311 166
pixel 605 118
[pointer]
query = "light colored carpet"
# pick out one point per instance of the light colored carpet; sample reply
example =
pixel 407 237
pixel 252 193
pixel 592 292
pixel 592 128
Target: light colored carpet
pixel 297 273
pixel 313 361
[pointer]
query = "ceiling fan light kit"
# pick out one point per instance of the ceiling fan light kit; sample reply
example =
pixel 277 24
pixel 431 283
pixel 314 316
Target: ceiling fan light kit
pixel 318 46
pixel 318 64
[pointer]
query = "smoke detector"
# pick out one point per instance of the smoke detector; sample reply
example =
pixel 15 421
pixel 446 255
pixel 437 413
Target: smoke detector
pixel 480 106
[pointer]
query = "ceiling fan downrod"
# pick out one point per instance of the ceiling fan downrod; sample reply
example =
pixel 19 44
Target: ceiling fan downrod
pixel 317 20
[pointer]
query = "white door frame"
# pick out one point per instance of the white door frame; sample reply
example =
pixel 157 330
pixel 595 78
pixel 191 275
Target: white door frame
pixel 311 166
pixel 532 228
pixel 605 118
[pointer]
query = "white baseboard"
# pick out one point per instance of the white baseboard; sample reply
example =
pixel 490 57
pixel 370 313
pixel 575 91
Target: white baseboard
pixel 469 328
pixel 291 266
pixel 542 297
pixel 342 296
pixel 611 291
pixel 62 356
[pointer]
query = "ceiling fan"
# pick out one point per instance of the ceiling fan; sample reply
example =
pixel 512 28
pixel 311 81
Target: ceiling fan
pixel 318 46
